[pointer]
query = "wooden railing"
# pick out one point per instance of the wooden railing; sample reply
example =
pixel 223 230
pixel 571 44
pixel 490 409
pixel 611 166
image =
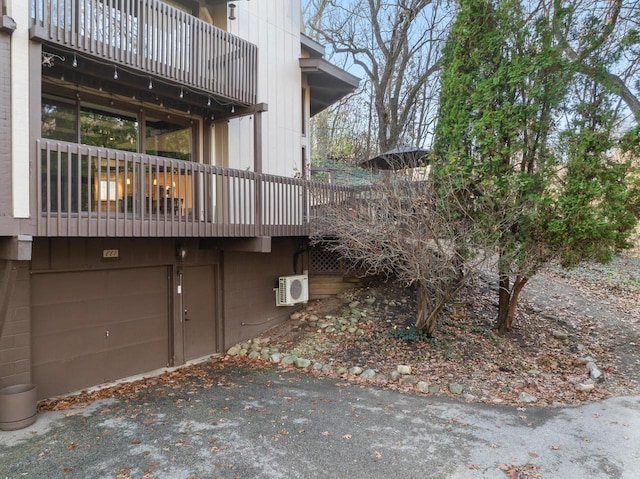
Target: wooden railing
pixel 153 38
pixel 89 191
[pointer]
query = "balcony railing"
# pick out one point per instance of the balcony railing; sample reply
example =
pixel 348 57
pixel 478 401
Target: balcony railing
pixel 153 38
pixel 90 191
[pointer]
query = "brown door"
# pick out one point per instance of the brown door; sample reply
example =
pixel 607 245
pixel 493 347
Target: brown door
pixel 199 299
pixel 95 326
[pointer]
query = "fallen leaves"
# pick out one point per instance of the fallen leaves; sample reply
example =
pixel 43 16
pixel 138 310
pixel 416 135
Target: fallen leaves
pixel 492 368
pixel 518 472
pixel 182 380
pixel 123 473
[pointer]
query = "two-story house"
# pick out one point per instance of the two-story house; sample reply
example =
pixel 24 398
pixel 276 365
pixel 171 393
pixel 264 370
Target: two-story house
pixel 152 180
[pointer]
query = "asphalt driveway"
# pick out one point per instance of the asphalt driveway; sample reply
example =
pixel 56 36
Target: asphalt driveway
pixel 275 424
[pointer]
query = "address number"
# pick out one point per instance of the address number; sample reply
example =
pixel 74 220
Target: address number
pixel 110 253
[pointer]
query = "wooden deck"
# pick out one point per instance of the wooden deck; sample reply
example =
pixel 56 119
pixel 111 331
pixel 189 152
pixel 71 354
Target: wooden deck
pixel 91 192
pixel 152 38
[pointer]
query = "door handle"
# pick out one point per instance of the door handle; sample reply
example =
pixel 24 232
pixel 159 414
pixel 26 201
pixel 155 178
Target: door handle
pixel 185 315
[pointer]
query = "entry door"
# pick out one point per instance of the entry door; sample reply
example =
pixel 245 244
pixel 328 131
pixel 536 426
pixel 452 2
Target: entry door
pixel 199 300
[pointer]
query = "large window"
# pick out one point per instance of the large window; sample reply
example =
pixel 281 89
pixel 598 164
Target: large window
pixel 95 126
pixel 59 121
pixel 78 180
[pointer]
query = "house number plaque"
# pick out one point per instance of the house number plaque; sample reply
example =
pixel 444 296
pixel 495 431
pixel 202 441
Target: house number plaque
pixel 110 254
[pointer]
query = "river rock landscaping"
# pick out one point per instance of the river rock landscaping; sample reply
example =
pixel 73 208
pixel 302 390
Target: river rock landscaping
pixel 575 340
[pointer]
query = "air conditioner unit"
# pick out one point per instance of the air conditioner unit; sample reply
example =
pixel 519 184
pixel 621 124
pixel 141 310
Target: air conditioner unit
pixel 292 290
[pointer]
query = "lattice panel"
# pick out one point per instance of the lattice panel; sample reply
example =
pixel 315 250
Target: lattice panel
pixel 325 262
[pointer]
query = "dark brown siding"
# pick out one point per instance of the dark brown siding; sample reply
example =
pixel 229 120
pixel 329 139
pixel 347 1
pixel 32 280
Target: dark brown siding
pixel 5 131
pixel 249 280
pixel 15 365
pixel 73 294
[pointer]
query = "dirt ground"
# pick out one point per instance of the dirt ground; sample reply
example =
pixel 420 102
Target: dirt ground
pixel 565 319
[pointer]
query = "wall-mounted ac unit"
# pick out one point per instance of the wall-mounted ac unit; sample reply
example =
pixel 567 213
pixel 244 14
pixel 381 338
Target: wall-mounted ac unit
pixel 292 290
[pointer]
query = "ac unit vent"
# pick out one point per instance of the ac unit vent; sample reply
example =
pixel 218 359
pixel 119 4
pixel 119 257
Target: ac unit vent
pixel 292 290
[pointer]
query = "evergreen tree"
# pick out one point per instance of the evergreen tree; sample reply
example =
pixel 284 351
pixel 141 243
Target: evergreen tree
pixel 532 199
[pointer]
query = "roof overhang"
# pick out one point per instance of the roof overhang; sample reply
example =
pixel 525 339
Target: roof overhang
pixel 327 83
pixel 313 48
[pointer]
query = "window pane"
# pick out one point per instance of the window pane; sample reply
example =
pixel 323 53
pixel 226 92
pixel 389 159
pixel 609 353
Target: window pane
pixel 169 140
pixel 108 130
pixel 58 121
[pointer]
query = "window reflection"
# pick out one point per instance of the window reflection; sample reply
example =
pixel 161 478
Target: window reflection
pixel 168 140
pixel 59 121
pixel 108 130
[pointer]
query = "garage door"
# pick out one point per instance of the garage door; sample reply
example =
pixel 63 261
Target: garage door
pixel 97 326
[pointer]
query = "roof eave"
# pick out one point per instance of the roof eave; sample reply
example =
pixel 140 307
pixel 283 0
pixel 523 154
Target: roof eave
pixel 328 83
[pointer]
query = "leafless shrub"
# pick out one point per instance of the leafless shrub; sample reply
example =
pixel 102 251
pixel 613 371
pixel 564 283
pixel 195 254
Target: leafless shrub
pixel 397 228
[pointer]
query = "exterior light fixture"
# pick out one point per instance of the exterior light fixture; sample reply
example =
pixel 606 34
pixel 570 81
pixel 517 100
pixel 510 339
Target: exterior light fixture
pixel 209 101
pixel 232 11
pixel 74 63
pixel 181 92
pixel 115 72
pixel 181 252
pixel 150 84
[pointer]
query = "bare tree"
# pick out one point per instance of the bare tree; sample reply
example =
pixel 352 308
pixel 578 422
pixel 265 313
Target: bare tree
pixel 338 132
pixel 396 229
pixel 602 40
pixel 396 44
